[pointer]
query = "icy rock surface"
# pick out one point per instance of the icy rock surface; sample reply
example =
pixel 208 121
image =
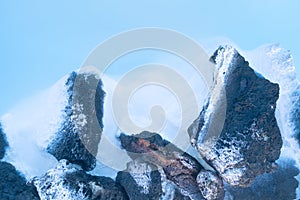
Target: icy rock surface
pixel 67 182
pixel 141 180
pixel 209 185
pixel 179 167
pixel 247 140
pixel 77 139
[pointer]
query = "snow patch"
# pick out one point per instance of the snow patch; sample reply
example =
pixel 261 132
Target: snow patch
pixel 30 126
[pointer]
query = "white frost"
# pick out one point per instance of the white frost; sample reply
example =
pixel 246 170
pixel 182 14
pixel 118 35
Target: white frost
pixel 31 125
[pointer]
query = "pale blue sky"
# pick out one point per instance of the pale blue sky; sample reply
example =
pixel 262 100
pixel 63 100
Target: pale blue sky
pixel 43 40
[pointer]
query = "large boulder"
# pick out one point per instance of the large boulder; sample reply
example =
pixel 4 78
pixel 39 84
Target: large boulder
pixel 3 143
pixel 68 182
pixel 13 185
pixel 236 131
pixel 178 167
pixel 79 135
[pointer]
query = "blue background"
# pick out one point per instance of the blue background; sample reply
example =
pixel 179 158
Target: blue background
pixel 43 40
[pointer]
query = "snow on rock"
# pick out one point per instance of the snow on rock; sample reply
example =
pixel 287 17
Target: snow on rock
pixel 210 185
pixel 29 127
pixel 78 137
pixel 179 167
pixel 68 182
pixel 141 180
pixel 237 132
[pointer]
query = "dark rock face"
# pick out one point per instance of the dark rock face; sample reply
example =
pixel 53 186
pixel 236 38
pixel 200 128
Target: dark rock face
pixel 77 139
pixel 281 185
pixel 3 143
pixel 249 142
pixel 13 186
pixel 66 182
pixel 141 181
pixel 178 166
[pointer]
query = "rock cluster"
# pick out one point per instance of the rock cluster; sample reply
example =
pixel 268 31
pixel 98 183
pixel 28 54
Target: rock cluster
pixel 236 133
pixel 180 168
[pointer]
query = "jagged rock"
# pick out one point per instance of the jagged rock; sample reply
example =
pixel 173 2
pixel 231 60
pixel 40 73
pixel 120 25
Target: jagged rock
pixel 77 139
pixel 281 185
pixel 3 143
pixel 236 132
pixel 178 166
pixel 141 180
pixel 67 182
pixel 13 185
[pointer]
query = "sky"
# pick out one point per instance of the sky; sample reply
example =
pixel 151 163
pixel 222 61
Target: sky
pixel 41 41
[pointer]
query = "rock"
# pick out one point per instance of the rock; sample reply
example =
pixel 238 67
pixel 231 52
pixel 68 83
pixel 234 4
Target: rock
pixel 78 138
pixel 237 132
pixel 67 182
pixel 13 185
pixel 3 143
pixel 210 185
pixel 143 180
pixel 179 167
pixel 281 184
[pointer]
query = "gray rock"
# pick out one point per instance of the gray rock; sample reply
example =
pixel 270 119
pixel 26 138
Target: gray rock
pixel 79 135
pixel 141 180
pixel 237 132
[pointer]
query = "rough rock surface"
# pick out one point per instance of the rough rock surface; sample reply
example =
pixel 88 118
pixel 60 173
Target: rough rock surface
pixel 141 180
pixel 77 139
pixel 67 182
pixel 178 166
pixel 13 186
pixel 210 185
pixel 281 185
pixel 248 143
pixel 3 143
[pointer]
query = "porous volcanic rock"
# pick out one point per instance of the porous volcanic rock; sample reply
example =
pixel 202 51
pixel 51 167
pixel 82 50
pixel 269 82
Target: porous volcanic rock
pixel 237 132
